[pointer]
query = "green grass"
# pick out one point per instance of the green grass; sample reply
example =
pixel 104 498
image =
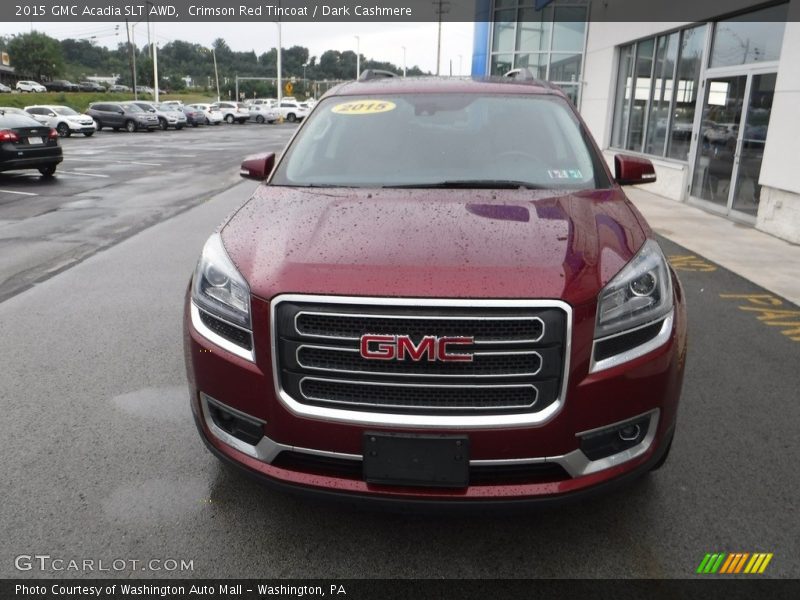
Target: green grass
pixel 80 101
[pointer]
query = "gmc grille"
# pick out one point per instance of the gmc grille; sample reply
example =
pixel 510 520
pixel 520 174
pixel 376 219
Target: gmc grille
pixel 517 367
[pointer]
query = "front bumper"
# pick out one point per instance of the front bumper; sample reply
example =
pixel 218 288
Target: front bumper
pixel 646 387
pixel 82 127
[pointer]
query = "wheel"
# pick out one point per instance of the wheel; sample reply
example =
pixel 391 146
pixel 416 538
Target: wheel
pixel 162 123
pixel 63 130
pixel 47 171
pixel 130 126
pixel 291 117
pixel 98 124
pixel 229 119
pixel 88 133
pixel 260 119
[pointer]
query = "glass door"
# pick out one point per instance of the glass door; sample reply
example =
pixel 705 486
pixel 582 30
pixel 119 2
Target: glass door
pixel 747 191
pixel 718 139
pixel 731 142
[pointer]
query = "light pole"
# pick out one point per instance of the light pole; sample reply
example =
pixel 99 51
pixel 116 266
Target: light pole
pixel 216 74
pixel 155 65
pixel 280 91
pixel 459 65
pixel 305 83
pixel 358 56
pixel 404 60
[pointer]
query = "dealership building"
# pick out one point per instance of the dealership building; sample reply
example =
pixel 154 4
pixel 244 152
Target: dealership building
pixel 713 102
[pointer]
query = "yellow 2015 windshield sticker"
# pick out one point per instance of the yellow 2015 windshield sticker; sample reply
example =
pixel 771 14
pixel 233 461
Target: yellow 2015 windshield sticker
pixel 364 107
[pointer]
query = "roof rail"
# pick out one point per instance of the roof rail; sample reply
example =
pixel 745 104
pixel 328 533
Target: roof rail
pixel 370 74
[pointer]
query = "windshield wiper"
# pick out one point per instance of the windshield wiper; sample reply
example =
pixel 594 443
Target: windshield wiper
pixel 503 184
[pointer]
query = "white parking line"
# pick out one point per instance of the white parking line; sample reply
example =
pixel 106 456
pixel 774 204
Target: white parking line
pixel 86 174
pixel 121 162
pixel 20 193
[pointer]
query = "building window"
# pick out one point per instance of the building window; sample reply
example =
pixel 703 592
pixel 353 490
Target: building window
pixel 750 38
pixel 656 94
pixel 549 41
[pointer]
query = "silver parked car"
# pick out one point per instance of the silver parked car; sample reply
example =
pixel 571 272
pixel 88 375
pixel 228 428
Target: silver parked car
pixel 167 115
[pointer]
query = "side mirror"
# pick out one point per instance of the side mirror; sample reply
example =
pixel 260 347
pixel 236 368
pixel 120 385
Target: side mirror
pixel 258 166
pixel 632 170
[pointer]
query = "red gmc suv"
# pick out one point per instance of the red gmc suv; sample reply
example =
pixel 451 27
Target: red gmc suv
pixel 440 294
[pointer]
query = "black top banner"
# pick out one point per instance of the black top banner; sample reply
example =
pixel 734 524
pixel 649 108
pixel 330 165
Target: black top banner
pixel 37 11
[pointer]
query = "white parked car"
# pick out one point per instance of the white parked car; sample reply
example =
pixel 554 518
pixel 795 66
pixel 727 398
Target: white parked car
pixel 292 111
pixel 213 115
pixel 233 111
pixel 30 86
pixel 263 113
pixel 63 119
pixel 260 101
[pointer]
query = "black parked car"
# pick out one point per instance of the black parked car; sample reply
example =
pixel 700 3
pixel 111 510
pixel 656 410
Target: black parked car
pixel 61 85
pixel 119 115
pixel 27 144
pixel 90 86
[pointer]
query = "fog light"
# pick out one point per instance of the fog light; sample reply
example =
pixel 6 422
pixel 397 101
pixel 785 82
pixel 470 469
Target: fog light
pixel 250 431
pixel 606 441
pixel 630 433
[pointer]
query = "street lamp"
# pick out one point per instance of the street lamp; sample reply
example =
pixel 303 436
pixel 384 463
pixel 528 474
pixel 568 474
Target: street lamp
pixel 305 83
pixel 216 73
pixel 358 56
pixel 404 60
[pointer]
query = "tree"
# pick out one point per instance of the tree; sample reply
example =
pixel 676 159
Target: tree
pixel 36 55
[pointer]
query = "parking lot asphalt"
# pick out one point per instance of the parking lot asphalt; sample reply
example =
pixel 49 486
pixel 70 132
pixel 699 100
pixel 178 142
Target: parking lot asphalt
pixel 112 185
pixel 101 459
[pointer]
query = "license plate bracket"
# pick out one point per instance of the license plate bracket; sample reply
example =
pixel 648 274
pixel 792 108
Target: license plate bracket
pixel 416 460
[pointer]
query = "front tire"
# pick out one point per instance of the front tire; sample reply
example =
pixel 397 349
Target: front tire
pixel 47 171
pixel 664 456
pixel 63 130
pixel 130 126
pixel 162 123
pixel 229 119
pixel 259 119
pixel 291 117
pixel 98 125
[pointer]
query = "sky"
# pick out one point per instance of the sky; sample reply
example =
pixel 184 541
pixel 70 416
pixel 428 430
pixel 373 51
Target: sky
pixel 379 41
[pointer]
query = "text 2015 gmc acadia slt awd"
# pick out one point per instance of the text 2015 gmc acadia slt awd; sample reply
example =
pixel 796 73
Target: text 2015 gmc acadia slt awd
pixel 439 294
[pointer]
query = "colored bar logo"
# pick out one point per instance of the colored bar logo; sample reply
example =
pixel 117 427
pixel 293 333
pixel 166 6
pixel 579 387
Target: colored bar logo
pixel 721 563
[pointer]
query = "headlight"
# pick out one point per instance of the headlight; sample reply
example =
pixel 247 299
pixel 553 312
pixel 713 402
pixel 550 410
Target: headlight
pixel 218 287
pixel 639 294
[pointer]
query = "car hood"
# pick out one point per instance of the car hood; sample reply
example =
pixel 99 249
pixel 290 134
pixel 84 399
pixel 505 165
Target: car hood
pixel 433 243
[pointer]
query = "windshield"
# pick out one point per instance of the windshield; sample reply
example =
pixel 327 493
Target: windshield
pixel 64 110
pixel 447 140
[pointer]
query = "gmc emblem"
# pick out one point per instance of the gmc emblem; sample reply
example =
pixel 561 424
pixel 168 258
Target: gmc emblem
pixel 400 347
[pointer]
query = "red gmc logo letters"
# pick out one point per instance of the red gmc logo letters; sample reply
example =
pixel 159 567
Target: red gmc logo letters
pixel 400 347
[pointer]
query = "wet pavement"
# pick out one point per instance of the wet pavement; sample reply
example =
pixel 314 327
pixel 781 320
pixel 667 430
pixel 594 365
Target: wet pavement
pixel 101 459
